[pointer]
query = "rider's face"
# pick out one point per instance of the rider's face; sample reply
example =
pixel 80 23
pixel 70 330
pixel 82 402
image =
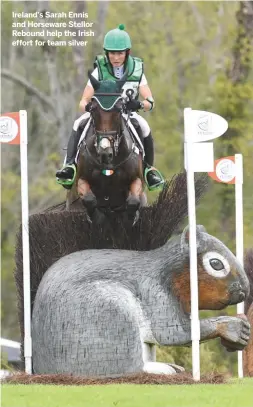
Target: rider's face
pixel 117 58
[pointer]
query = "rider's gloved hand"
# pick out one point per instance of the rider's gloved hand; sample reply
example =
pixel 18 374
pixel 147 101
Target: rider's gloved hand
pixel 134 105
pixel 88 107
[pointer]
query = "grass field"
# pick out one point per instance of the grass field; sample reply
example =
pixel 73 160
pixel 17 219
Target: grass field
pixel 238 393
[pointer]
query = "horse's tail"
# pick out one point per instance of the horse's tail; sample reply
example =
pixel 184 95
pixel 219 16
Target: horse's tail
pixel 248 265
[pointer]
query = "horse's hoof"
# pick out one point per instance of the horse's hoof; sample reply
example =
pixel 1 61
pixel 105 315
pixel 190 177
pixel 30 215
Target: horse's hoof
pixel 133 204
pixel 88 218
pixel 98 217
pixel 89 201
pixel 136 218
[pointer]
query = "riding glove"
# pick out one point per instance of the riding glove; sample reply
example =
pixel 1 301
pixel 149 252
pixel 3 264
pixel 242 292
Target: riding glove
pixel 134 105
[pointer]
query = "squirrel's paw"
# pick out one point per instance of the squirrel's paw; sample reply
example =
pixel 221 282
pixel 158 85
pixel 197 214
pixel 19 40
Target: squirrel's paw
pixel 162 368
pixel 234 333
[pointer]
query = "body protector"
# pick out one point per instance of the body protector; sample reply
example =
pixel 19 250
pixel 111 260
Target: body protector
pixel 134 66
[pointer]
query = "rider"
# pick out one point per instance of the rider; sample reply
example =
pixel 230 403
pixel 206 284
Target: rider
pixel 112 65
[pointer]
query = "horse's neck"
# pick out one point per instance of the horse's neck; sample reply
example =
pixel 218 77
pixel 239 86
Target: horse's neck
pixel 126 139
pixel 90 136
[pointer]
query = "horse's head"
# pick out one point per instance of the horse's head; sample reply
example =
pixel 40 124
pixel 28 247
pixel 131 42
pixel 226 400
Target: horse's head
pixel 106 110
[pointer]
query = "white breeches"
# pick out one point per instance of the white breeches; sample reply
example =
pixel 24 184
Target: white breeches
pixel 142 122
pixel 84 116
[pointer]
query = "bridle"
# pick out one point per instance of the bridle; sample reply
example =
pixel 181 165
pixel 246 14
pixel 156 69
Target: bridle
pixel 112 136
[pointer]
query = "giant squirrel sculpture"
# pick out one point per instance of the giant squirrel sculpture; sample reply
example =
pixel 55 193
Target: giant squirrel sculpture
pixel 54 235
pixel 57 232
pixel 100 312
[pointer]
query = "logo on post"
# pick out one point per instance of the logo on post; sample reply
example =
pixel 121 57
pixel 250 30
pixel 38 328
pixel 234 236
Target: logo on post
pixel 225 170
pixel 205 124
pixel 8 129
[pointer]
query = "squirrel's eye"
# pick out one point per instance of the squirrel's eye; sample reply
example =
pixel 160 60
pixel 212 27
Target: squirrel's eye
pixel 216 264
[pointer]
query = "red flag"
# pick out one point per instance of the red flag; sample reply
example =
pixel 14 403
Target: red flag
pixel 10 128
pixel 224 170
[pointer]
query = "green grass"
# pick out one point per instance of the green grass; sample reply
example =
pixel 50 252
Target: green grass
pixel 235 394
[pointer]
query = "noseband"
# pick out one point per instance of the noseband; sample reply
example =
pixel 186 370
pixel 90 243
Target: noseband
pixel 112 137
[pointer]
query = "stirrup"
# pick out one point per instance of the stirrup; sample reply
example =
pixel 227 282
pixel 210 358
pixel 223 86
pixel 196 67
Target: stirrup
pixel 159 185
pixel 68 181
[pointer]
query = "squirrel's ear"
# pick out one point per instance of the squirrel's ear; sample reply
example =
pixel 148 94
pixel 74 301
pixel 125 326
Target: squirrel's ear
pixel 200 229
pixel 185 237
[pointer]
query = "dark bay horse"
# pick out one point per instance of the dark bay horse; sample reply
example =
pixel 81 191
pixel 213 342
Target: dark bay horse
pixel 110 168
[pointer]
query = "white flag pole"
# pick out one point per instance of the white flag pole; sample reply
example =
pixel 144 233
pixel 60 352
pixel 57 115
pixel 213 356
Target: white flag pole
pixel 25 241
pixel 239 233
pixel 195 324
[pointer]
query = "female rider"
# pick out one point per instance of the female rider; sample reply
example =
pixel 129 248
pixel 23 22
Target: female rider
pixel 112 65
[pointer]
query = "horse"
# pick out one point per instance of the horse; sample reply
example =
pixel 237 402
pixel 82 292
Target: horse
pixel 109 177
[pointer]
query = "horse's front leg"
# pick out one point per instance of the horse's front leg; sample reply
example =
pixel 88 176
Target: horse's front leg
pixel 88 198
pixel 134 198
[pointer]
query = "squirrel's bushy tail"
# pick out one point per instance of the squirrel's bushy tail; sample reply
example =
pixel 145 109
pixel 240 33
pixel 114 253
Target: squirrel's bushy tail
pixel 248 266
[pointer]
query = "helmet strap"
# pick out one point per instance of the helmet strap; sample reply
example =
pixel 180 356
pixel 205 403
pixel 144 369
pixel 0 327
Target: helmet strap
pixel 108 63
pixel 126 59
pixel 107 59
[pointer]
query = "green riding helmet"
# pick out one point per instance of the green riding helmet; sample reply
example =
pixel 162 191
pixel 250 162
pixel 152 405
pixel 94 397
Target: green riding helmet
pixel 117 40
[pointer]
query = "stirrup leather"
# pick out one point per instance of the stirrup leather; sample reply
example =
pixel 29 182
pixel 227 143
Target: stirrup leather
pixel 68 181
pixel 156 186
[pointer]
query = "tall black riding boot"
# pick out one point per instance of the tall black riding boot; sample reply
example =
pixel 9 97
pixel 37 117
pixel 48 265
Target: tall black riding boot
pixel 68 171
pixel 153 176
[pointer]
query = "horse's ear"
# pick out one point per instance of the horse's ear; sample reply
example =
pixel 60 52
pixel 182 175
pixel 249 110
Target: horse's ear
pixel 121 82
pixel 95 83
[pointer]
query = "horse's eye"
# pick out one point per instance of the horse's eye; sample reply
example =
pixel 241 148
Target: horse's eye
pixel 216 264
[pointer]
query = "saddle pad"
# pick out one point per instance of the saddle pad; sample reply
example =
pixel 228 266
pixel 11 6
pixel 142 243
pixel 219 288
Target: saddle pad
pixel 83 135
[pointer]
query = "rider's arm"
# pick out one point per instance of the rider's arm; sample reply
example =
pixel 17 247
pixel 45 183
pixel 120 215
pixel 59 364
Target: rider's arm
pixel 145 92
pixel 87 95
pixel 88 92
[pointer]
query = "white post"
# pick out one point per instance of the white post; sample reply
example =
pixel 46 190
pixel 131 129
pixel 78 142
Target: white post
pixel 25 240
pixel 239 233
pixel 195 324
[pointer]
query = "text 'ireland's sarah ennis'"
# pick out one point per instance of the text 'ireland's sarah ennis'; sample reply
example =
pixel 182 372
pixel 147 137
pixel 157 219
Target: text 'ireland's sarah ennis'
pixel 49 14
